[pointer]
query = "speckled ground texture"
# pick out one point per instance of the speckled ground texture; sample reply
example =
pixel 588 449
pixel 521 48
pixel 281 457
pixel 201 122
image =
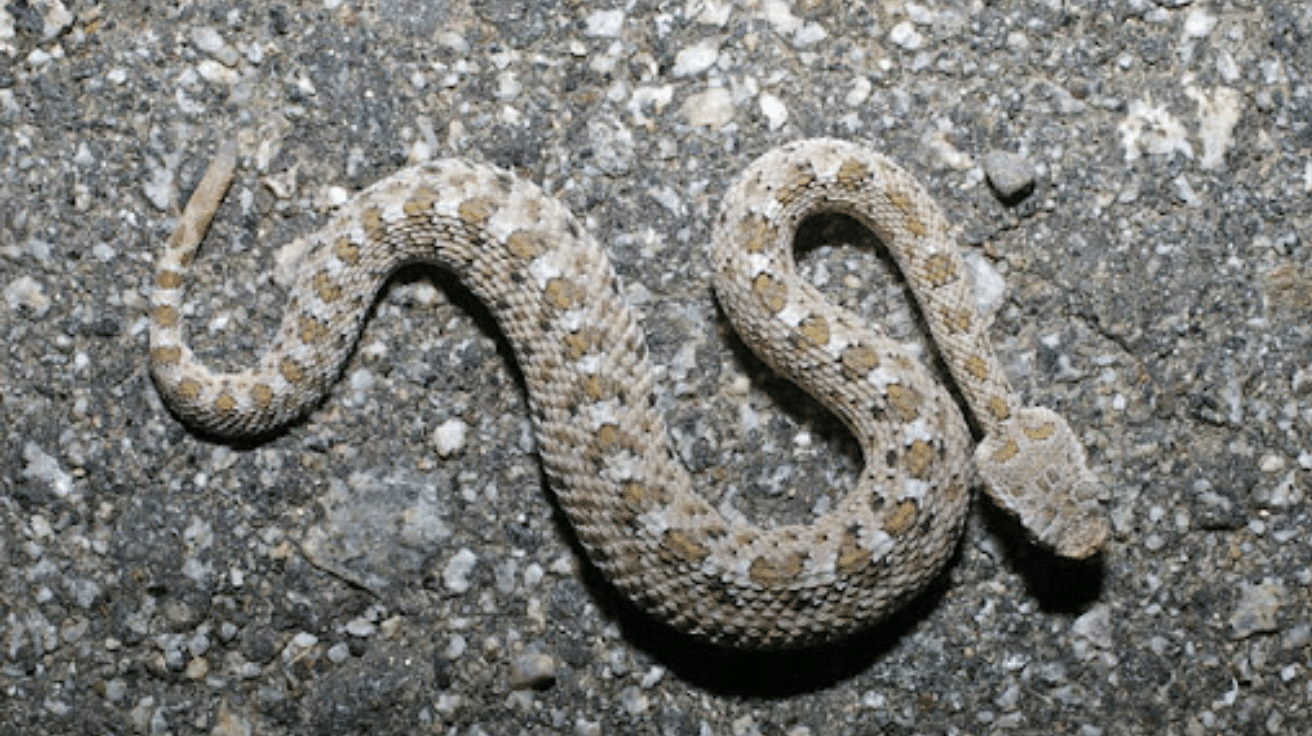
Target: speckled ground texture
pixel 1138 172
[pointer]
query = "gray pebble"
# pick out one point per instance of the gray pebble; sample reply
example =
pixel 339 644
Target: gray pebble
pixel 1258 605
pixel 532 671
pixel 633 700
pixel 1011 175
pixel 456 573
pixel 26 295
pixel 208 40
pixel 360 627
pixel 339 653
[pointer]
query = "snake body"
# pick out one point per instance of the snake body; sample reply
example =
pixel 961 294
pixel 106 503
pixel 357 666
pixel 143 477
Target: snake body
pixel 602 442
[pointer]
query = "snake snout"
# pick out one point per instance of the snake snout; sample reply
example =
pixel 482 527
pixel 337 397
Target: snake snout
pixel 1034 468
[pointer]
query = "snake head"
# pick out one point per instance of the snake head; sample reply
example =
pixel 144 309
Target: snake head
pixel 1034 467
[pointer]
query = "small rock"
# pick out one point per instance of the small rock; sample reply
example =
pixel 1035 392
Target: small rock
pixel 339 653
pixel 360 627
pixel 228 631
pixel 54 18
pixel 653 676
pixel 1297 637
pixel 776 113
pixel 1219 112
pixel 1011 175
pixel 216 73
pixel 449 437
pixel 634 702
pixel 456 574
pixel 44 468
pixel 1302 381
pixel 532 671
pixel 905 35
pixel 25 294
pixel 990 287
pixel 231 722
pixel 197 669
pixel 712 108
pixel 208 40
pixel 809 35
pixel 696 59
pixel 859 93
pixel 1258 605
pixel 605 23
pixel 362 380
pixel 456 647
pixel 1092 632
pixel 391 628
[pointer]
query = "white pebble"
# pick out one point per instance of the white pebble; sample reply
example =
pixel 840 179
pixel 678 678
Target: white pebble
pixel 43 467
pixel 338 653
pixel 774 110
pixel 1271 463
pixel 362 379
pixel 360 627
pixel 906 36
pixel 456 573
pixel 208 40
pixel 605 23
pixel 1198 23
pixel 809 35
pixel 26 294
pixel 697 58
pixel 859 93
pixel 54 18
pixel 990 287
pixel 712 108
pixel 449 437
pixel 216 73
pixel 633 701
pixel 533 575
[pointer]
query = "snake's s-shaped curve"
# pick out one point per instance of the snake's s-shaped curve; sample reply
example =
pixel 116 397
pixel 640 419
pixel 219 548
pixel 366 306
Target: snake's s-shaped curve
pixel 604 446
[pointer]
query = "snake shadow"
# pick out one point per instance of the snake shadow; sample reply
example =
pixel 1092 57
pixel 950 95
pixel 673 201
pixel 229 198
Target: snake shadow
pixel 1060 585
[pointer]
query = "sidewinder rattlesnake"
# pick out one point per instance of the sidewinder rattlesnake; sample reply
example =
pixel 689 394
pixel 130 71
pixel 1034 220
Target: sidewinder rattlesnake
pixel 604 446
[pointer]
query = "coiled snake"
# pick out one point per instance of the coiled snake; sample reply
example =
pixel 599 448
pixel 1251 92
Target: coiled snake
pixel 555 295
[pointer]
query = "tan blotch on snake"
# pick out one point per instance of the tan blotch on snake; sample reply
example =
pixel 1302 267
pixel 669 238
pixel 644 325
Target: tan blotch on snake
pixel 604 446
